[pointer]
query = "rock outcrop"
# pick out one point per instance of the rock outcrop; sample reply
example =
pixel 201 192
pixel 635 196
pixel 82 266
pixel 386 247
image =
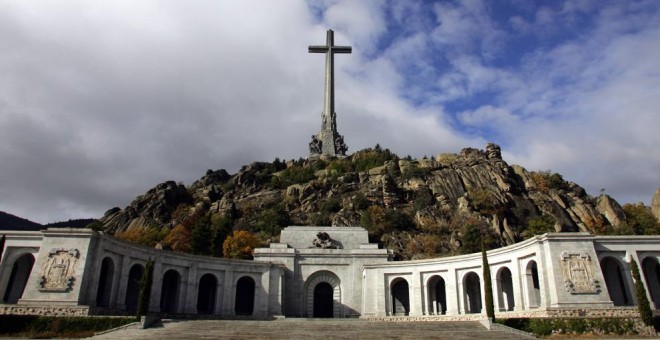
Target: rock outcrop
pixel 436 197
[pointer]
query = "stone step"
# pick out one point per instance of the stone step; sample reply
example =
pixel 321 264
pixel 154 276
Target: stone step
pixel 289 328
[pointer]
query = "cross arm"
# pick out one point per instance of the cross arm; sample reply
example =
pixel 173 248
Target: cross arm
pixel 318 49
pixel 341 49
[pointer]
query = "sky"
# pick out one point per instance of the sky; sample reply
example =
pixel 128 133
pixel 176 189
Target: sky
pixel 102 100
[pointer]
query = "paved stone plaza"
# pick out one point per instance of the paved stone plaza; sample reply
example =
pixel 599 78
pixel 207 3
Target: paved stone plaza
pixel 313 329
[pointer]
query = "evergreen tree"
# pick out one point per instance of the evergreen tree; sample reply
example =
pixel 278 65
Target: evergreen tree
pixel 201 237
pixel 643 304
pixel 145 289
pixel 221 227
pixel 488 286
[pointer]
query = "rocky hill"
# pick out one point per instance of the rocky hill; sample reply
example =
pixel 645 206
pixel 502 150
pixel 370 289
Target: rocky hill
pixel 418 207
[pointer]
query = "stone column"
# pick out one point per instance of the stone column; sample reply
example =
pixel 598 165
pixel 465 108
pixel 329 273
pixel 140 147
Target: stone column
pixel 156 286
pixel 452 293
pixel 219 294
pixel 228 297
pixel 116 280
pixel 123 283
pixel 517 286
pixel 415 294
pixel 191 290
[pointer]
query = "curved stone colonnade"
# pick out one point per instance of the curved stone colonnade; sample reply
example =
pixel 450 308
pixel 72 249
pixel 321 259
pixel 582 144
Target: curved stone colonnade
pixel 46 272
pixel 538 277
pixel 78 272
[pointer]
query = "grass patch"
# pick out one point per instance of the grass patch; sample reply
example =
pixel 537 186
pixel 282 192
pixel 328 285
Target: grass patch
pixel 61 327
pixel 574 326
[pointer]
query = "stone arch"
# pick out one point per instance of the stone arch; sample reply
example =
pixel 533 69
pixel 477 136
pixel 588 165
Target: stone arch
pixel 533 285
pixel 651 270
pixel 317 295
pixel 505 297
pixel 208 285
pixel 615 281
pixel 133 287
pixel 169 293
pixel 244 302
pixel 472 292
pixel 20 273
pixel 400 293
pixel 106 277
pixel 437 295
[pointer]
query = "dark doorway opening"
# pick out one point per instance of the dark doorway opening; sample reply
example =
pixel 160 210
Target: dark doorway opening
pixel 206 295
pixel 20 273
pixel 400 298
pixel 244 303
pixel 105 283
pixel 323 300
pixel 169 294
pixel 133 287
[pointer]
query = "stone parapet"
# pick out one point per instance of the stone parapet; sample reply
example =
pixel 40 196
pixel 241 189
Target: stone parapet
pixel 52 310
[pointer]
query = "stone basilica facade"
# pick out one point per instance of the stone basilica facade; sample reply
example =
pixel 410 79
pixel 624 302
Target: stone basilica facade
pixel 326 272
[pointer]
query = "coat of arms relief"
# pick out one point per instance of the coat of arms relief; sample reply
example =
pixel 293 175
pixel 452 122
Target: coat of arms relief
pixel 58 273
pixel 578 271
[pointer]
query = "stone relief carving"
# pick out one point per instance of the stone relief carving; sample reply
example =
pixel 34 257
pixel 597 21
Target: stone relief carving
pixel 315 146
pixel 578 271
pixel 340 146
pixel 58 273
pixel 324 241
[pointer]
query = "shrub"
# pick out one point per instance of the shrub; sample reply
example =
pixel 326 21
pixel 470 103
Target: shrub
pixel 641 219
pixel 145 236
pixel 240 245
pixel 547 180
pixel 49 326
pixel 539 225
pixel 640 292
pixel 271 221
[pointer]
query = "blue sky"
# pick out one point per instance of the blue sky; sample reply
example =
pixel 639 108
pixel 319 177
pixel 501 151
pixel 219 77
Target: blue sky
pixel 100 101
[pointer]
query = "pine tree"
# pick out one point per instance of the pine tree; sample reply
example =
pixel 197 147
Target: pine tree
pixel 643 304
pixel 488 287
pixel 201 237
pixel 145 289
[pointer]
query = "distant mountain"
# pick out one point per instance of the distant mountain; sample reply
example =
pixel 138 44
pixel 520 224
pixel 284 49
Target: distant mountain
pixel 11 222
pixel 420 208
pixel 77 223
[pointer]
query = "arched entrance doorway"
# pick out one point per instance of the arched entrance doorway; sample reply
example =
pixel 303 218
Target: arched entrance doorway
pixel 615 282
pixel 472 294
pixel 400 297
pixel 105 282
pixel 206 294
pixel 244 303
pixel 20 273
pixel 169 294
pixel 133 288
pixel 533 285
pixel 437 296
pixel 651 270
pixel 323 300
pixel 505 298
pixel 323 295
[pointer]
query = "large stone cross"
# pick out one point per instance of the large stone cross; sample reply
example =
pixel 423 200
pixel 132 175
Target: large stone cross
pixel 328 141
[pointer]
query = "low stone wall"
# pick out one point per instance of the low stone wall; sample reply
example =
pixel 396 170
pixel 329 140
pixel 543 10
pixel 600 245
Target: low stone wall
pixel 430 318
pixel 44 310
pixel 621 312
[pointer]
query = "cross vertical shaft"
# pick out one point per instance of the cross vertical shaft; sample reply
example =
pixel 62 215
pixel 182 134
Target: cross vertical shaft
pixel 328 141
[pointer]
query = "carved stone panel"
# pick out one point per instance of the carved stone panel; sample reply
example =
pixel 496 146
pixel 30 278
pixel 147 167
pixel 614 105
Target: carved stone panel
pixel 578 271
pixel 58 273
